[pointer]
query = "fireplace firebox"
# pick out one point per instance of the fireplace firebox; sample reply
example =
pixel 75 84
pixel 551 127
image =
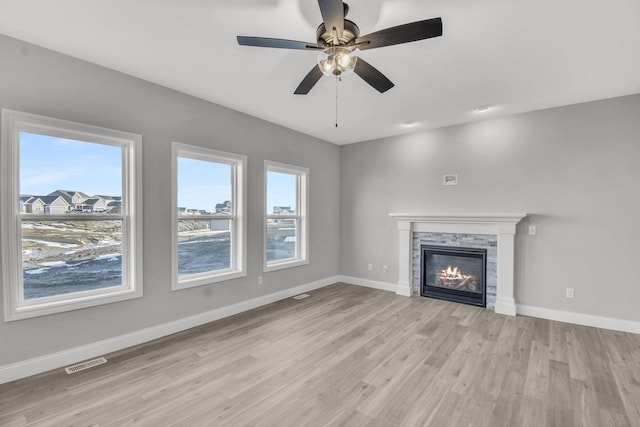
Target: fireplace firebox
pixel 454 273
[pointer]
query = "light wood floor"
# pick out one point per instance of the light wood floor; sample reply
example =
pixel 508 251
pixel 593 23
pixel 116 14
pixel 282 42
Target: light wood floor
pixel 351 356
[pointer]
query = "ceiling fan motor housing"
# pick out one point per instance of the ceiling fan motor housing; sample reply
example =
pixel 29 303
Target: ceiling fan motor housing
pixel 326 38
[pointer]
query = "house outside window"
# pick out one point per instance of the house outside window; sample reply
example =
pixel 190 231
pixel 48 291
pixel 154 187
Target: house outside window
pixel 286 222
pixel 209 227
pixel 64 245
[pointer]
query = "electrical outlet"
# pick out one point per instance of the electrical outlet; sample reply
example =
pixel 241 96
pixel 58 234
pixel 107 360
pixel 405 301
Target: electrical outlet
pixel 259 280
pixel 532 230
pixel 385 268
pixel 570 293
pixel 370 267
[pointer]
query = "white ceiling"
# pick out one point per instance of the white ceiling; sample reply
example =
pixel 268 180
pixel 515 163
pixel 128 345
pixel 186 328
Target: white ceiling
pixel 515 54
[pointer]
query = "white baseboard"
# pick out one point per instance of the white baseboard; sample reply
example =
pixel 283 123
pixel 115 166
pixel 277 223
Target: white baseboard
pixel 526 310
pixel 404 289
pixel 506 306
pixel 47 362
pixel 580 319
pixel 384 286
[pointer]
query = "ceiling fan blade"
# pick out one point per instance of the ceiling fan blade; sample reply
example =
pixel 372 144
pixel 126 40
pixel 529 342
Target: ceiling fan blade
pixel 332 15
pixel 276 43
pixel 406 33
pixel 309 81
pixel 371 75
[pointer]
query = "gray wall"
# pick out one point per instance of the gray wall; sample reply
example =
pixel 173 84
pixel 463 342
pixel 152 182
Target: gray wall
pixel 39 81
pixel 574 170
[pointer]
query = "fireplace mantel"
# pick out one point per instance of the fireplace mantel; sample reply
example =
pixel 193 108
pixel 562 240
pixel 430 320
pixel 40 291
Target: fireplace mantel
pixel 501 225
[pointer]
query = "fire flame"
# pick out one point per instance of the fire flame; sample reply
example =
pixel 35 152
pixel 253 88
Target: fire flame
pixel 453 274
pixel 452 277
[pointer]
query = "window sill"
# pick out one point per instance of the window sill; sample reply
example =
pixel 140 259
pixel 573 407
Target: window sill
pixel 281 265
pixel 46 307
pixel 195 281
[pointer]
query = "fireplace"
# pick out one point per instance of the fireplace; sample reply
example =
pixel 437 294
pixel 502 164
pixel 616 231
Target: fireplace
pixel 454 273
pixel 500 264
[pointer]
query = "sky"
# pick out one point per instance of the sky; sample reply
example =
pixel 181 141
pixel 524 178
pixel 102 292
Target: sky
pixel 50 163
pixel 203 184
pixel 281 190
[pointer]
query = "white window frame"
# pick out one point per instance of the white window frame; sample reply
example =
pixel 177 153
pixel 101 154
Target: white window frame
pixel 301 215
pixel 237 220
pixel 15 306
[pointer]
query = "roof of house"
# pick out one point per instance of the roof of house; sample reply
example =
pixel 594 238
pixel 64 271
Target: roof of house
pixel 93 201
pixel 48 200
pixel 68 195
pixel 106 197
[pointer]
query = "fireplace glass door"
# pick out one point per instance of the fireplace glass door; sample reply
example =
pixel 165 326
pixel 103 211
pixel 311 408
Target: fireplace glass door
pixel 454 273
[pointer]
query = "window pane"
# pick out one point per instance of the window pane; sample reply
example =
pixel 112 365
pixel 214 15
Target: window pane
pixel 281 239
pixel 204 187
pixel 61 257
pixel 281 193
pixel 203 246
pixel 65 176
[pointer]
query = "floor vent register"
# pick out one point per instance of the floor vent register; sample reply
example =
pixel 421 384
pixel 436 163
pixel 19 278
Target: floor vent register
pixel 85 365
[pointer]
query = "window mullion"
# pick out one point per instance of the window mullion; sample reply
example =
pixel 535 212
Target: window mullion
pixel 71 217
pixel 204 217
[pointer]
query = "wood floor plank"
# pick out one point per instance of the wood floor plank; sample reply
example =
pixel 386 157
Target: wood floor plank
pixel 509 401
pixel 12 420
pixel 577 356
pixel 532 413
pixel 350 356
pixel 350 417
pixel 537 376
pixel 558 341
pixel 628 380
pixel 585 404
pixel 559 408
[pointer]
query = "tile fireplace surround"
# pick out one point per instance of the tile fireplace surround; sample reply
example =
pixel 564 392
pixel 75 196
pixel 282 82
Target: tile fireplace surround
pixel 501 225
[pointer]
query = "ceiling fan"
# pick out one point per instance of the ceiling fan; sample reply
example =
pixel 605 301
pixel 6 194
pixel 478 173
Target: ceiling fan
pixel 338 41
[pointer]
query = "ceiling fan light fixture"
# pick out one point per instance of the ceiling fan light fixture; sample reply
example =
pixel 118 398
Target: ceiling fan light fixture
pixel 337 61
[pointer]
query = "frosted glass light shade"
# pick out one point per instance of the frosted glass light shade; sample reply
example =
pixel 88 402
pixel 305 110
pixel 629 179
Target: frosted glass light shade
pixel 337 61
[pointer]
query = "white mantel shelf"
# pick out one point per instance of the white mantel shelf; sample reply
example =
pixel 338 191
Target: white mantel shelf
pixel 460 218
pixel 502 225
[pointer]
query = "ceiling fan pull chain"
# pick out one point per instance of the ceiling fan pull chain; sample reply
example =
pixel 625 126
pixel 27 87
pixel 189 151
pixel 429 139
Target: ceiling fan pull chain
pixel 337 100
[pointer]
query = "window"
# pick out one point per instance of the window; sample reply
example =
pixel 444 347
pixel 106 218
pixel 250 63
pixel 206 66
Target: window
pixel 208 216
pixel 70 215
pixel 286 225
